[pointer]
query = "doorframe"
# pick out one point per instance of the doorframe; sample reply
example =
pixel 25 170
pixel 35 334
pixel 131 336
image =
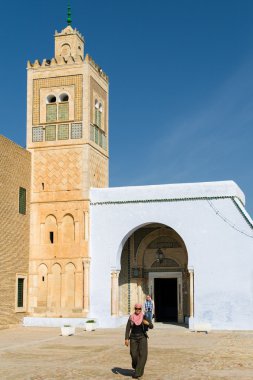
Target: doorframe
pixel 178 276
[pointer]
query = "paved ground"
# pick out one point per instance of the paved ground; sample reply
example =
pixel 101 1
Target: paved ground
pixel 174 353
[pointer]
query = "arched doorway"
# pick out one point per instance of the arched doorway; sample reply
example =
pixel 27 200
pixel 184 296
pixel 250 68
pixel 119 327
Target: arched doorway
pixel 154 261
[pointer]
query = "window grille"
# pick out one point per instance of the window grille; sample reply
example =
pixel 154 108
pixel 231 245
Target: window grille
pixel 98 136
pixel 51 112
pixel 96 116
pixel 37 134
pixel 63 132
pixel 51 133
pixel 63 111
pixel 20 291
pixel 104 143
pixel 99 118
pixel 22 200
pixel 76 131
pixel 92 131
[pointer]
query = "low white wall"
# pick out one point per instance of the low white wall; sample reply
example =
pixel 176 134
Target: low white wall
pixel 222 256
pixel 53 322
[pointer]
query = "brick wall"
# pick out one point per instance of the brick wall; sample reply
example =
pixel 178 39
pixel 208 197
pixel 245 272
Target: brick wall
pixel 15 172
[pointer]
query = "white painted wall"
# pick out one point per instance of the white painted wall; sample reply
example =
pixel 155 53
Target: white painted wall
pixel 221 256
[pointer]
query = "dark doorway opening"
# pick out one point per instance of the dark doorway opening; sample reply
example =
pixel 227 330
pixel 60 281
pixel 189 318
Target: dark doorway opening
pixel 166 299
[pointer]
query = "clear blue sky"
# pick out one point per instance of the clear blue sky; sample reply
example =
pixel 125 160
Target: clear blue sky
pixel 181 82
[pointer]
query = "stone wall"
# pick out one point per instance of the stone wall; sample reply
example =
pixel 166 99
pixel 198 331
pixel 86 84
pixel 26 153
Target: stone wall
pixel 15 172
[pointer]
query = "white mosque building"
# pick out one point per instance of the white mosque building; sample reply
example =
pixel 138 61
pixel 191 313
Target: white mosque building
pixel 95 251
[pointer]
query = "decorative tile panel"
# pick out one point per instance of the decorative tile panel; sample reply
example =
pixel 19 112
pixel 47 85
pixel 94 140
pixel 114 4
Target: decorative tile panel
pixel 51 112
pixel 50 134
pixel 76 131
pixel 61 81
pixel 63 132
pixel 63 111
pixel 37 135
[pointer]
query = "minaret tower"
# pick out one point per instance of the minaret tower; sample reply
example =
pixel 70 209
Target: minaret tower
pixel 67 135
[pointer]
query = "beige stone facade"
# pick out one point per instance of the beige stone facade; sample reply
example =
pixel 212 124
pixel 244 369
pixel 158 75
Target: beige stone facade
pixel 15 173
pixel 67 135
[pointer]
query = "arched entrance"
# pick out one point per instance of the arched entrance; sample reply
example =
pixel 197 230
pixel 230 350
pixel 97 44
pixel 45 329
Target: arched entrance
pixel 154 261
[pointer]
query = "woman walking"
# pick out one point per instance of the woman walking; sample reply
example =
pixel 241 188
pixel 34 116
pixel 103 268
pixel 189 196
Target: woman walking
pixel 136 331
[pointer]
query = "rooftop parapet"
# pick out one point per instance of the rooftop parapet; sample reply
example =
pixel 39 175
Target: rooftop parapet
pixel 89 59
pixel 46 63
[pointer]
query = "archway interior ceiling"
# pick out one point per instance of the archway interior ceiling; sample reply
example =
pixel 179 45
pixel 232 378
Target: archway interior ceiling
pixel 147 240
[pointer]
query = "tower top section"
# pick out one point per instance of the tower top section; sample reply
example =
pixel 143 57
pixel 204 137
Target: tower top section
pixel 69 43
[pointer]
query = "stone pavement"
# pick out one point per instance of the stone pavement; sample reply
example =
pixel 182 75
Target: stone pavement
pixel 174 353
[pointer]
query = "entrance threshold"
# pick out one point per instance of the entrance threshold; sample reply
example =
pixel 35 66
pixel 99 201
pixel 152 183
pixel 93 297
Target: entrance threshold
pixel 171 326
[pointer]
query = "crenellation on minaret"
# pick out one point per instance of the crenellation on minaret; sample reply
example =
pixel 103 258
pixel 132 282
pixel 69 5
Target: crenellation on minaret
pixel 68 60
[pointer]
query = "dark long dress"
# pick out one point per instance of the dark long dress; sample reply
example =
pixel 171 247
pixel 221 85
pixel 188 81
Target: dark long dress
pixel 138 344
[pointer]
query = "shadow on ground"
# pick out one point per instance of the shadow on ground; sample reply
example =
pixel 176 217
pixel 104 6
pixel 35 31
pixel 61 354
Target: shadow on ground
pixel 122 371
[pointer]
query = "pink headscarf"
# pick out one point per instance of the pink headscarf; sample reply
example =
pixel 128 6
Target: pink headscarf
pixel 137 318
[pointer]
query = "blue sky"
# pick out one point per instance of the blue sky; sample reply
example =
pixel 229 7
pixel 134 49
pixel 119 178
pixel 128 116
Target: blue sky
pixel 181 82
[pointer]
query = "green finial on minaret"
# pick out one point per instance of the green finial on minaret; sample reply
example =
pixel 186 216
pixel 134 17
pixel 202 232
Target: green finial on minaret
pixel 69 19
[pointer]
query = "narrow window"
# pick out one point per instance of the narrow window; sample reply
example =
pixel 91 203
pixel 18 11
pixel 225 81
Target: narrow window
pixel 100 110
pixel 22 200
pixel 63 132
pixel 76 131
pixel 43 186
pixel 20 295
pixel 50 133
pixel 63 111
pixel 96 112
pixel 51 237
pixel 51 112
pixel 37 134
pixel 51 108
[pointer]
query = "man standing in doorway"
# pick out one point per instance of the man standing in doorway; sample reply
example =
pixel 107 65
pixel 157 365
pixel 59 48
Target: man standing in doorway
pixel 149 308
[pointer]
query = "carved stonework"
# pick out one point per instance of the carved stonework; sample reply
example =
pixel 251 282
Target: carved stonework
pixel 60 170
pixel 98 165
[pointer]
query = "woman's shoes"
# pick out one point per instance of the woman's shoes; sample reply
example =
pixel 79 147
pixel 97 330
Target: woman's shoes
pixel 136 376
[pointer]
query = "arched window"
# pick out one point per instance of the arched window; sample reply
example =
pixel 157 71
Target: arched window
pixel 42 285
pixel 51 108
pixel 68 229
pixel 68 285
pixel 50 230
pixel 63 107
pixel 51 98
pixel 57 108
pixel 64 97
pixel 98 113
pixel 54 290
